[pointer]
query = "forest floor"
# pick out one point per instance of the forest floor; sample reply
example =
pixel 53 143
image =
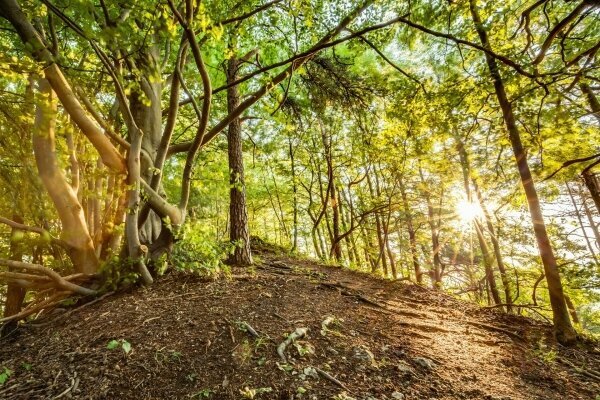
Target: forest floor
pixel 188 337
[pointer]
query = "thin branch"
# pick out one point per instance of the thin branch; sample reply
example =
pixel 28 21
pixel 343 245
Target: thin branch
pixel 557 28
pixel 249 14
pixel 60 281
pixel 571 162
pixel 391 63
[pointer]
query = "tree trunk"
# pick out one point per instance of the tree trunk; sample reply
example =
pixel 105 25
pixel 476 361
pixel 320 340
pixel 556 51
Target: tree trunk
pixel 564 331
pixel 590 218
pixel 496 246
pixel 572 309
pixel 294 196
pixel 591 98
pixel 347 238
pixel 488 263
pixel 15 294
pixel 74 229
pixel 381 256
pixel 436 273
pixel 331 199
pixel 239 234
pixel 412 236
pixel 581 225
pixel 488 260
pixel 591 182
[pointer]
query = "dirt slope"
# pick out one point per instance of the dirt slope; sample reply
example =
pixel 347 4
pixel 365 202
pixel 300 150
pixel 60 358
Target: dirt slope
pixel 382 340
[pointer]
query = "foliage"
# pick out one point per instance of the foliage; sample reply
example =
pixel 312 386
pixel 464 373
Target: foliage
pixel 122 343
pixel 6 373
pixel 387 153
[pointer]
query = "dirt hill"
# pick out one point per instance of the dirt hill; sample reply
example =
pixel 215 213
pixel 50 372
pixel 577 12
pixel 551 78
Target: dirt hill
pixel 189 337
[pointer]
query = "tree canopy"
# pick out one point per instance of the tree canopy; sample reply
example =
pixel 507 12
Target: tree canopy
pixel 448 143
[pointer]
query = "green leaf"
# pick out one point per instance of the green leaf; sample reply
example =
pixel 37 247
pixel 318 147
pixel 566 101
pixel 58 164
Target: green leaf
pixel 126 346
pixel 113 344
pixel 5 375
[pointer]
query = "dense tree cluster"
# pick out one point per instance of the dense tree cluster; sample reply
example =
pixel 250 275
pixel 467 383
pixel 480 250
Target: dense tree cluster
pixel 449 143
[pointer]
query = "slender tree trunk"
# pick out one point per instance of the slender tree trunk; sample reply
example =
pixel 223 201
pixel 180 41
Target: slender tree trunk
pixel 572 309
pixel 331 197
pixel 564 331
pixel 367 247
pixel 488 260
pixel 352 246
pixel 412 236
pixel 488 263
pixel 581 225
pixel 75 231
pixel 381 256
pixel 322 243
pixel 15 294
pixel 294 196
pixel 592 99
pixel 316 245
pixel 591 182
pixel 436 272
pixel 496 246
pixel 347 238
pixel 239 234
pixel 590 218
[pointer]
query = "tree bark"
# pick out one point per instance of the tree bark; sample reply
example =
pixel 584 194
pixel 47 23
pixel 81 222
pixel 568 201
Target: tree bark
pixel 239 234
pixel 592 99
pixel 74 229
pixel 412 236
pixel 331 198
pixel 488 260
pixel 563 329
pixel 591 182
pixel 496 246
pixel 15 294
pixel 436 271
pixel 590 218
pixel 294 196
pixel 581 225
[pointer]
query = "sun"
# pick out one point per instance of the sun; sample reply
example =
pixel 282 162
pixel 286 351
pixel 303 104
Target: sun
pixel 468 211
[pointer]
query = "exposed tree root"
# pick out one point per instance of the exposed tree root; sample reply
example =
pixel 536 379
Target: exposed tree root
pixel 297 334
pixel 423 327
pixel 346 291
pixel 590 374
pixel 58 280
pixel 49 288
pixel 66 314
pixel 496 329
pixel 250 330
pixel 331 378
pixel 36 307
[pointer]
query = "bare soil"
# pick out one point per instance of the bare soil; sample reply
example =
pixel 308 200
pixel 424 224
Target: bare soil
pixel 367 339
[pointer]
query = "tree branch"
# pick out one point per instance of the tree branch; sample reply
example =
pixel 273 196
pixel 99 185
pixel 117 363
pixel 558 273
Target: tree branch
pixel 60 282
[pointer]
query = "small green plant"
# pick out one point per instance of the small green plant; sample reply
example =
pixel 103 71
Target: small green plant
pixel 300 390
pixel 191 377
pixel 203 394
pixel 175 355
pixel 124 344
pixel 284 367
pixel 304 349
pixel 26 366
pixel 250 393
pixel 5 375
pixel 545 353
pixel 198 252
pixel 243 352
pixel 343 396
